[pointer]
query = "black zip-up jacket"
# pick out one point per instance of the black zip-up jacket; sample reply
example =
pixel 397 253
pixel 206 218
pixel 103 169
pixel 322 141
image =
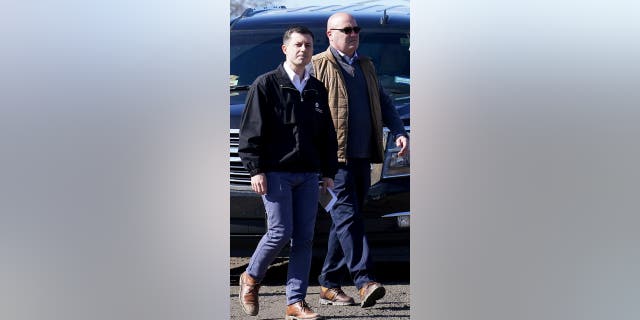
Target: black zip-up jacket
pixel 282 129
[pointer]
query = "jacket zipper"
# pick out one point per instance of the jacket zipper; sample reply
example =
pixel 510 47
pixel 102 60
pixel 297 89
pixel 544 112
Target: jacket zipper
pixel 306 90
pixel 296 90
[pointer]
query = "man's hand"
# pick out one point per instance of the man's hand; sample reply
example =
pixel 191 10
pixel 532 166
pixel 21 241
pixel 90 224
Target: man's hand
pixel 259 183
pixel 327 183
pixel 403 143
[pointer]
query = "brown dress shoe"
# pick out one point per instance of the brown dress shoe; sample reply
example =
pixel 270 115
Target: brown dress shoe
pixel 249 288
pixel 335 296
pixel 371 292
pixel 300 311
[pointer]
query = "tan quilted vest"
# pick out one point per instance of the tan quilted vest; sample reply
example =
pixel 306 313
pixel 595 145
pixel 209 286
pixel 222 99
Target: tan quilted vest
pixel 327 70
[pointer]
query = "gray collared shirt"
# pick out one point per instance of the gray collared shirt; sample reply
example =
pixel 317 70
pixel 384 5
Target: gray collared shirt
pixel 349 60
pixel 345 62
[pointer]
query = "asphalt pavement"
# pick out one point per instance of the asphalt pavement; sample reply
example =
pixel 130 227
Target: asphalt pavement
pixel 394 305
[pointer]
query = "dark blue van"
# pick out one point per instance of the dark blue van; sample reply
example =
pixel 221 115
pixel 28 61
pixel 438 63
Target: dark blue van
pixel 256 37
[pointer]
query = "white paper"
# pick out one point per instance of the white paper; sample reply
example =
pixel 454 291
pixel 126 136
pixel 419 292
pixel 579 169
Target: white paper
pixel 327 199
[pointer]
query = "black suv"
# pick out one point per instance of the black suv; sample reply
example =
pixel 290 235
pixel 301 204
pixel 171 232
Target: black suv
pixel 256 37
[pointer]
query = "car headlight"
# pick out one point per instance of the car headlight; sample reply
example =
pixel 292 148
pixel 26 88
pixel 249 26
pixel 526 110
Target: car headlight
pixel 394 165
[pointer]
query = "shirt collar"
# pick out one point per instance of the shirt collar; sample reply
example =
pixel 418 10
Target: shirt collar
pixel 294 76
pixel 351 60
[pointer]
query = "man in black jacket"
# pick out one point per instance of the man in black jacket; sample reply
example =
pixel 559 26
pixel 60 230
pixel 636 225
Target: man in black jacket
pixel 286 138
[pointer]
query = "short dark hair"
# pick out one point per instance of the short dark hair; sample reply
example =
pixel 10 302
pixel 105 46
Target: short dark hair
pixel 296 29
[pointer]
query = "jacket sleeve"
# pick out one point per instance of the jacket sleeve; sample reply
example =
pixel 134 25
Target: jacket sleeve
pixel 251 144
pixel 330 152
pixel 390 116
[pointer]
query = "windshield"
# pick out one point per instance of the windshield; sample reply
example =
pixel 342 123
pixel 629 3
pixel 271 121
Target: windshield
pixel 255 52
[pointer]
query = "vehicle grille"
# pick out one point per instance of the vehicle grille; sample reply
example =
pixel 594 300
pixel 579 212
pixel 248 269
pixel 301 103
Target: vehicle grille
pixel 238 175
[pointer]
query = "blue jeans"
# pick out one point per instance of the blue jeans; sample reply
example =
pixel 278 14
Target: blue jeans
pixel 291 203
pixel 348 245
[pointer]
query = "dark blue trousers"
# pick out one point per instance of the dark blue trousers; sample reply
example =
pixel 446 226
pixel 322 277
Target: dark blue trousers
pixel 291 203
pixel 348 249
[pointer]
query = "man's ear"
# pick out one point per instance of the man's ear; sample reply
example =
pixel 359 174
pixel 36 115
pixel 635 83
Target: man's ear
pixel 284 48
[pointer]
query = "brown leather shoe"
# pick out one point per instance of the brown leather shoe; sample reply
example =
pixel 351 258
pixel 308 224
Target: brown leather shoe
pixel 335 296
pixel 300 311
pixel 249 288
pixel 371 292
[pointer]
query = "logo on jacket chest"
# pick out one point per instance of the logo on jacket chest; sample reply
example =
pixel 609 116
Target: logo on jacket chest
pixel 317 108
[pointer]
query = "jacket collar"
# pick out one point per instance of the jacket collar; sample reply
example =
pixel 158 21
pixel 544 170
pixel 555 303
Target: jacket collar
pixel 341 60
pixel 331 58
pixel 283 77
pixel 342 57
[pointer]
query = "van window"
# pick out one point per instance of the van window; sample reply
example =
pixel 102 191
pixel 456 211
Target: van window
pixel 254 52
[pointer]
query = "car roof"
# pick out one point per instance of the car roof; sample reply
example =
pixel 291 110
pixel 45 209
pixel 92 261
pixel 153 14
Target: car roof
pixel 366 12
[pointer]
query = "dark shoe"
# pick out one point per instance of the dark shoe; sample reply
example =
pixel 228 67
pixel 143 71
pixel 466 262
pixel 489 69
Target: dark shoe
pixel 371 292
pixel 249 288
pixel 335 296
pixel 300 311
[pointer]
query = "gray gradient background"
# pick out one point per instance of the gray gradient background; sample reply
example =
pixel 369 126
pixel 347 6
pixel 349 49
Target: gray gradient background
pixel 114 179
pixel 113 184
pixel 525 160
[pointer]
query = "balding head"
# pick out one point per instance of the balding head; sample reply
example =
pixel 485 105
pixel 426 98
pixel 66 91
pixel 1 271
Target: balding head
pixel 339 39
pixel 337 19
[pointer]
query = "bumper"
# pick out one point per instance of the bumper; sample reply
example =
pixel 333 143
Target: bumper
pixel 386 215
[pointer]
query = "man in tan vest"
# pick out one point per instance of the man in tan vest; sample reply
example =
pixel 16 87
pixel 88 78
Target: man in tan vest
pixel 359 108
